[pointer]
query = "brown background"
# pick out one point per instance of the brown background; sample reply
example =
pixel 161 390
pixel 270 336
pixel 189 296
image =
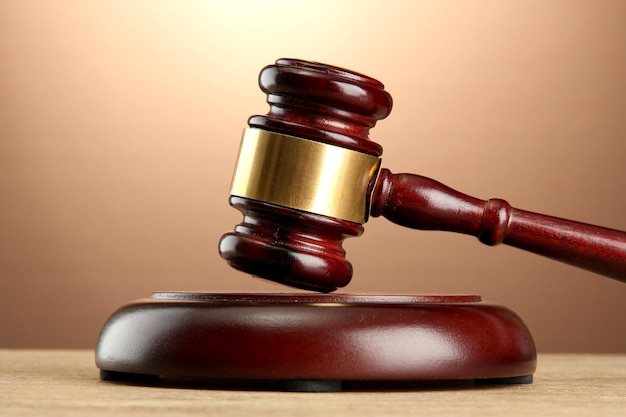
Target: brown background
pixel 120 121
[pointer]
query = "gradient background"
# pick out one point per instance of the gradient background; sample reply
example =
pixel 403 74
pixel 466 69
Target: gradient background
pixel 120 122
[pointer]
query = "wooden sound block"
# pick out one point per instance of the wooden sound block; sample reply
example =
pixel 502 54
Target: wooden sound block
pixel 314 342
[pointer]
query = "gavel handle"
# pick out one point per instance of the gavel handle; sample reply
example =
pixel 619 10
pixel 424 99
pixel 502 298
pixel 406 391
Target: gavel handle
pixel 422 203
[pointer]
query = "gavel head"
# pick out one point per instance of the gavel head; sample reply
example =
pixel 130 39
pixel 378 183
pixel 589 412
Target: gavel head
pixel 304 174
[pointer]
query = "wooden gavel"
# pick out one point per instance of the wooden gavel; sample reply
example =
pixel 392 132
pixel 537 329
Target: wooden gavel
pixel 307 177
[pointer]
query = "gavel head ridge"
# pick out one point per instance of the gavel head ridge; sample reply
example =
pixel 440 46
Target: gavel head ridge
pixel 305 174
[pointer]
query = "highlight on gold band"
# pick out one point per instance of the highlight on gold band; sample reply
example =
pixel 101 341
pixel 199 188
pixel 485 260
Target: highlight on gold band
pixel 303 174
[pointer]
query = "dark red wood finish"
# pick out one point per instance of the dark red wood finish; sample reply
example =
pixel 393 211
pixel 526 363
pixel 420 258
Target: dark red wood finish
pixel 336 106
pixel 422 203
pixel 322 103
pixel 313 337
pixel 289 246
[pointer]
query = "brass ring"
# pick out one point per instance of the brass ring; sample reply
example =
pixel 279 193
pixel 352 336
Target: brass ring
pixel 303 174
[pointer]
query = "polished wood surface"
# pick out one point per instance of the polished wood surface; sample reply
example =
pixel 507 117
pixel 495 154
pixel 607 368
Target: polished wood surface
pixel 66 383
pixel 422 203
pixel 321 342
pixel 338 107
pixel 317 102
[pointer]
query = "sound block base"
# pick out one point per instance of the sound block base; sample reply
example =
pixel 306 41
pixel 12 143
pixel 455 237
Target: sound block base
pixel 314 342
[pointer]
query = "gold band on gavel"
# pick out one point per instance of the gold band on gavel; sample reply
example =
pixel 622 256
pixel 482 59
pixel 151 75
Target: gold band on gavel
pixel 303 174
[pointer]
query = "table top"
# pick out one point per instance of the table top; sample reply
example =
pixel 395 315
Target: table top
pixel 66 383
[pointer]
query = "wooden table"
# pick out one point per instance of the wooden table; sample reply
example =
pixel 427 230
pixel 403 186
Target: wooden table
pixel 66 383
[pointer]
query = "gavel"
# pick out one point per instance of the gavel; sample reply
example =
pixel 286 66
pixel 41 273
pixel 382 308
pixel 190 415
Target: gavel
pixel 307 177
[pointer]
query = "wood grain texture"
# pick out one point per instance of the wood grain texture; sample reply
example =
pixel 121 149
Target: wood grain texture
pixel 66 383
